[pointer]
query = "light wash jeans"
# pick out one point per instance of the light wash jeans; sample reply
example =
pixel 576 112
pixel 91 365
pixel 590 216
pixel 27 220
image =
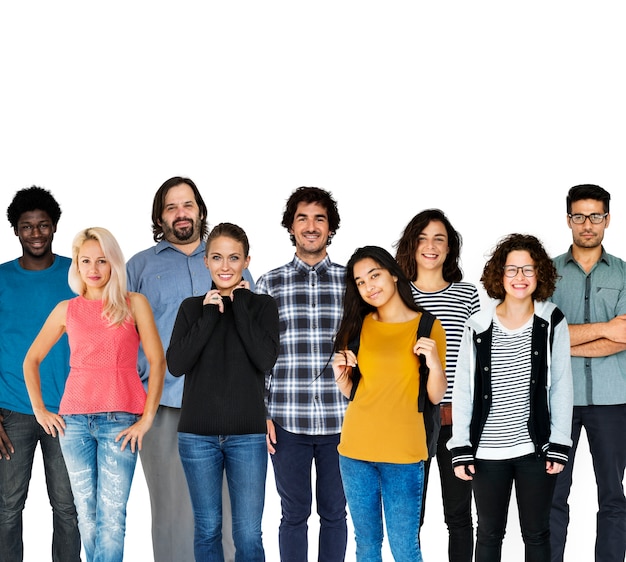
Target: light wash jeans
pixel 244 458
pixel 398 487
pixel 101 476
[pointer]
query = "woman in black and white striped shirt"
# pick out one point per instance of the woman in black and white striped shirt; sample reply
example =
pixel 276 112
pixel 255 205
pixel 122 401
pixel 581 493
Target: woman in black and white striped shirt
pixel 429 252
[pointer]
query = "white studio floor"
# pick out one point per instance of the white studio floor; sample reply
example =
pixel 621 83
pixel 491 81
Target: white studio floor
pixel 138 548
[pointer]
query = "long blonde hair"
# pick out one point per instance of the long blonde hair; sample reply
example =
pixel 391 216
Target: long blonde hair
pixel 115 305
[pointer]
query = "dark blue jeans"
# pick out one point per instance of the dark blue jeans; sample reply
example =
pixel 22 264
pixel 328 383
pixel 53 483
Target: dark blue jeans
pixel 292 462
pixel 492 485
pixel 606 433
pixel 457 502
pixel 25 433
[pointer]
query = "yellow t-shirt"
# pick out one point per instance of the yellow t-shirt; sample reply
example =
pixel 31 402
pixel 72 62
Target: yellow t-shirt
pixel 382 423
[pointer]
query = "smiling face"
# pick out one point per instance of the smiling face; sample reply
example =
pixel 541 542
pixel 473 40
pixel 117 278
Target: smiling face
pixel 520 286
pixel 225 259
pixel 35 231
pixel 375 285
pixel 181 220
pixel 94 268
pixel 432 247
pixel 311 231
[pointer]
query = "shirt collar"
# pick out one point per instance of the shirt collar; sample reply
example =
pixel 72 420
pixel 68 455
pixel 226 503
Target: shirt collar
pixel 319 267
pixel 569 257
pixel 164 245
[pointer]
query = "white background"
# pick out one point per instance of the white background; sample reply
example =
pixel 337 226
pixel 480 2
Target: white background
pixel 488 110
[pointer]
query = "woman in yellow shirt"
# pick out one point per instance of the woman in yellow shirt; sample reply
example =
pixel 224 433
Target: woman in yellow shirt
pixel 383 440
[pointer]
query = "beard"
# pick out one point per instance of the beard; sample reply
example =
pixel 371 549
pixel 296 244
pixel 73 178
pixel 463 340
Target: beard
pixel 175 234
pixel 592 242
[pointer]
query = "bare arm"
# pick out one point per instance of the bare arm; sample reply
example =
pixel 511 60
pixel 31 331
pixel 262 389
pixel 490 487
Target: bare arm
pixel 50 333
pixel 598 339
pixel 153 349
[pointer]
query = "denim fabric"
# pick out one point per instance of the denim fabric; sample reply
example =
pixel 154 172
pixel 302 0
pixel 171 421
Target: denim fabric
pixel 25 433
pixel 292 463
pixel 457 502
pixel 101 476
pixel 205 458
pixel 397 488
pixel 604 426
pixel 492 485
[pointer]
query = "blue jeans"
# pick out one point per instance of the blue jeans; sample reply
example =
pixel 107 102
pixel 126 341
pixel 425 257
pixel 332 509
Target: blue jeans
pixel 605 428
pixel 25 433
pixel 101 476
pixel 244 458
pixel 398 487
pixel 492 485
pixel 292 471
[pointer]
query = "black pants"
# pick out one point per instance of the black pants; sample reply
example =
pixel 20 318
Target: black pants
pixel 492 485
pixel 606 433
pixel 457 502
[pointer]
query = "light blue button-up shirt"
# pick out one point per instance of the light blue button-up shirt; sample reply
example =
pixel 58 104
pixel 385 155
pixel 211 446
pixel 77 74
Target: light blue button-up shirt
pixel 597 296
pixel 167 276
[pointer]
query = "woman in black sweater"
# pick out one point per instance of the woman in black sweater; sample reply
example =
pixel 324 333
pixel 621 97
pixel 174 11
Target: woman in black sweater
pixel 224 342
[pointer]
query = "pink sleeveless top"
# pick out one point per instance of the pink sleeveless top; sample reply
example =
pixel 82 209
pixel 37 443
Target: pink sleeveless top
pixel 103 363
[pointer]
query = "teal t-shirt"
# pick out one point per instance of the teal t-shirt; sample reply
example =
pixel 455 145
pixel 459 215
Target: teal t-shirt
pixel 26 299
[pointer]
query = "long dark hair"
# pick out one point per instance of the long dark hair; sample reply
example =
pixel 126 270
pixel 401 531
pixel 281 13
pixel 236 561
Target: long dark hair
pixel 407 245
pixel 354 307
pixel 158 206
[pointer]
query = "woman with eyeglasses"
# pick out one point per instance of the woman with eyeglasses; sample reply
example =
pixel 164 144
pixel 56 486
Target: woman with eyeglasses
pixel 512 399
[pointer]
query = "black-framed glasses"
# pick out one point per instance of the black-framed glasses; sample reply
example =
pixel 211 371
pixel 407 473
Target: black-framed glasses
pixel 511 270
pixel 594 218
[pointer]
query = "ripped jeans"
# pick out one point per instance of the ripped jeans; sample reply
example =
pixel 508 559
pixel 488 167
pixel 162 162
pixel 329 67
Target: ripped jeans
pixel 101 476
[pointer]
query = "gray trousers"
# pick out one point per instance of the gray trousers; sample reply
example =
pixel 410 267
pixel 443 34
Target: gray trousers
pixel 172 515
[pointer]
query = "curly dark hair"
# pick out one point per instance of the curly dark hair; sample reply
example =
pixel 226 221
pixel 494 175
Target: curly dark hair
pixel 31 199
pixel 407 245
pixel 546 274
pixel 354 307
pixel 311 195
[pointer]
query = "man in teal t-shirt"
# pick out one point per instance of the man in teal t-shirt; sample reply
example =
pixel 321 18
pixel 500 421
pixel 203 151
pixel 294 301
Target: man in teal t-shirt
pixel 30 287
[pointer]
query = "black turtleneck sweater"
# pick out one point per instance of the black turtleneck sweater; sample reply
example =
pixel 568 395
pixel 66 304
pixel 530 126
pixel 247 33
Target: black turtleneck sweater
pixel 224 357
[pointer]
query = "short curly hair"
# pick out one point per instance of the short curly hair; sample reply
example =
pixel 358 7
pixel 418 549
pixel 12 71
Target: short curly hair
pixel 546 274
pixel 308 195
pixel 31 199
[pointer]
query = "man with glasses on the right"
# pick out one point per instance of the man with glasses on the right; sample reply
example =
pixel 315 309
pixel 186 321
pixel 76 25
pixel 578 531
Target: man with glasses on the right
pixel 591 292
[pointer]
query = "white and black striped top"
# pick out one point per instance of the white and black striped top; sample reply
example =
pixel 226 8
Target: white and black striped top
pixel 505 434
pixel 452 306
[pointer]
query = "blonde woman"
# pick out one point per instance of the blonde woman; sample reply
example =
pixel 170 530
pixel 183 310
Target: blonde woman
pixel 104 411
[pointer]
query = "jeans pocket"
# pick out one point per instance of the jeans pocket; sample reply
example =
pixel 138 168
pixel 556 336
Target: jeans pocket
pixel 123 417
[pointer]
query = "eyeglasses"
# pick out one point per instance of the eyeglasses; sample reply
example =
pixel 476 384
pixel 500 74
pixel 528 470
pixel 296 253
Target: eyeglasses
pixel 511 270
pixel 594 218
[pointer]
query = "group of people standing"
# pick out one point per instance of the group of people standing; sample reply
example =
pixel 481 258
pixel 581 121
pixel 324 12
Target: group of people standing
pixel 318 364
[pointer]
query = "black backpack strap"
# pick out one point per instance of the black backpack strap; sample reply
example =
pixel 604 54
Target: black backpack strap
pixel 423 330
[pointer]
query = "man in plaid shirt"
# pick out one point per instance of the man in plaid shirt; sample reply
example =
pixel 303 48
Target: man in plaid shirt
pixel 304 406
